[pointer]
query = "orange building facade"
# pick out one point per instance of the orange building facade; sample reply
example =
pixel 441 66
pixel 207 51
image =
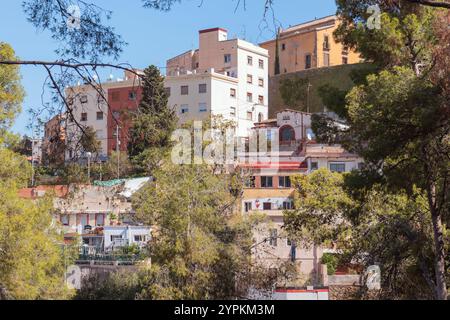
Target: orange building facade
pixel 309 45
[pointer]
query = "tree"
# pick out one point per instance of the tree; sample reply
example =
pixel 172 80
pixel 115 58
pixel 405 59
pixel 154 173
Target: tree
pixel 153 122
pixel 398 120
pixel 294 92
pixel 200 248
pixel 368 226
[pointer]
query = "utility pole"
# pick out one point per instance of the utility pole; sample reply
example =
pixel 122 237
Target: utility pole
pixel 307 96
pixel 32 161
pixel 118 151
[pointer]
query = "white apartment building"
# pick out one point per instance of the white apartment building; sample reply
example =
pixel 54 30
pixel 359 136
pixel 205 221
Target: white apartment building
pixel 89 105
pixel 227 78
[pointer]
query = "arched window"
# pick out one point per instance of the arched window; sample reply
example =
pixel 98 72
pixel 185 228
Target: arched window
pixel 260 117
pixel 287 134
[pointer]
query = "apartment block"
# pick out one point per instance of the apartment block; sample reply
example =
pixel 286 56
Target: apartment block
pixel 309 45
pixel 224 77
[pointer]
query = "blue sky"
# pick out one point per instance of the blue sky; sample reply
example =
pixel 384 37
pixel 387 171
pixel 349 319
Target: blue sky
pixel 152 36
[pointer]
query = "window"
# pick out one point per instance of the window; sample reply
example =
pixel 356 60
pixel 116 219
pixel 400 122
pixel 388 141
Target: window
pixel 337 167
pixel 261 63
pixel 288 205
pixel 326 59
pixel 202 88
pixel 139 238
pixel 115 96
pixel 345 50
pixel 65 220
pixel 261 119
pixel 266 182
pixel 250 182
pixel 314 166
pixel 249 60
pixel 326 43
pixel 248 206
pixel 287 134
pixel 233 93
pixel 261 82
pixel 267 206
pixel 227 58
pixel 84 99
pixel 308 61
pixel 184 90
pixel 115 237
pixel 283 46
pixel 344 60
pixel 284 182
pixel 184 108
pixel 100 220
pixel 99 115
pixel 273 237
pixel 202 107
pixel 249 97
pixel 167 90
pixel 261 100
pixel 84 116
pixel 249 78
pixel 288 242
pixel 233 111
pixel 249 115
pixel 132 95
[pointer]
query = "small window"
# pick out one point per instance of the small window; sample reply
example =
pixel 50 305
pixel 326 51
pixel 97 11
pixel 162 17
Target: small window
pixel 249 60
pixel 273 237
pixel 233 111
pixel 233 93
pixel 314 166
pixel 84 116
pixel 308 61
pixel 283 46
pixel 267 206
pixel 326 59
pixel 202 107
pixel 84 99
pixel 284 182
pixel 100 115
pixel 184 90
pixel 184 108
pixel 202 88
pixel 261 82
pixel 261 63
pixel 266 182
pixel 326 43
pixel 167 90
pixel 248 206
pixel 227 58
pixel 250 182
pixel 65 220
pixel 139 238
pixel 132 95
pixel 249 97
pixel 261 119
pixel 344 60
pixel 249 115
pixel 337 167
pixel 288 205
pixel 261 100
pixel 249 79
pixel 100 220
pixel 115 237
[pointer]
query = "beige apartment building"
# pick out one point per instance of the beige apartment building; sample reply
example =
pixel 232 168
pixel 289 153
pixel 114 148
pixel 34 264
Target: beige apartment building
pixel 309 45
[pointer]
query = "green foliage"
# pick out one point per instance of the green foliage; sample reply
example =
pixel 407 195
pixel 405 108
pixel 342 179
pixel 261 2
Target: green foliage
pixel 294 92
pixel 332 262
pixel 154 121
pixel 11 91
pixel 89 141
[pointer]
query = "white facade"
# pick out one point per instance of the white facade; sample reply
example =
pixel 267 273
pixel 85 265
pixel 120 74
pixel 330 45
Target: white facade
pixel 119 236
pixel 236 76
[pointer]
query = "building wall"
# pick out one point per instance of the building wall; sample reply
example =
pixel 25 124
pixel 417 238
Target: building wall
pixel 122 106
pixel 307 38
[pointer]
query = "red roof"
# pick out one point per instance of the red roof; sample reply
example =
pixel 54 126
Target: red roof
pixel 60 191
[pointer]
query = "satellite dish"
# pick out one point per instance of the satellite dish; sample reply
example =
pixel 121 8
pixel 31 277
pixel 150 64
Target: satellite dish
pixel 310 134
